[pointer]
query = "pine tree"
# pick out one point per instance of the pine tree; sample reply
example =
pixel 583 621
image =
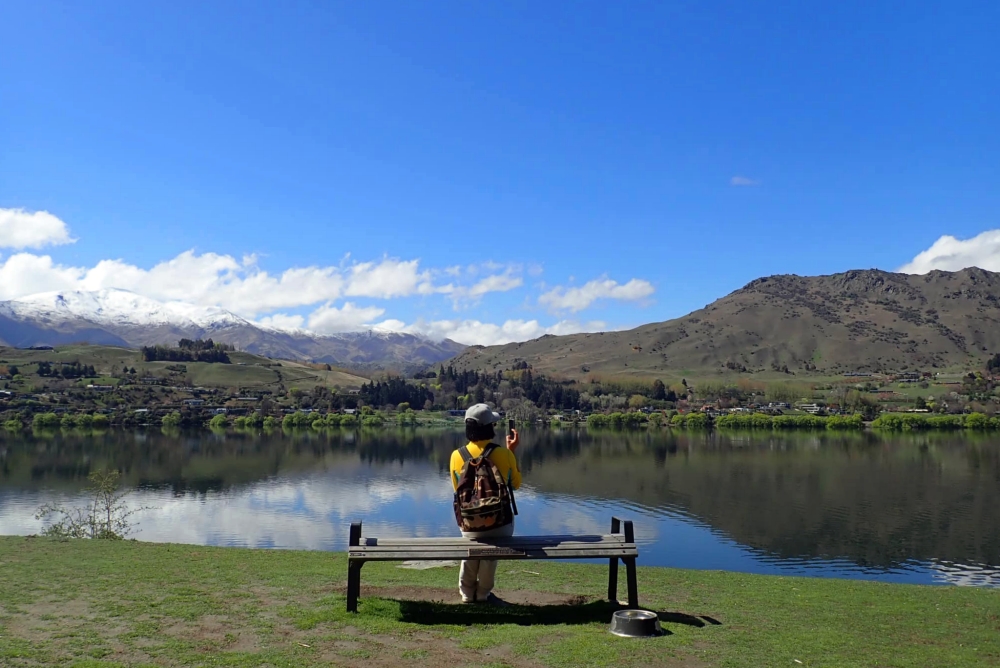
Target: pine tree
pixel 659 390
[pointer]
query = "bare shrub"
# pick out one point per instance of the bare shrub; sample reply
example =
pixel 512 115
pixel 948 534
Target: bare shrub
pixel 106 516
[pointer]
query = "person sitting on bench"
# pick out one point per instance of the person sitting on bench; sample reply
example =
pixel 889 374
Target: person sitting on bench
pixel 483 475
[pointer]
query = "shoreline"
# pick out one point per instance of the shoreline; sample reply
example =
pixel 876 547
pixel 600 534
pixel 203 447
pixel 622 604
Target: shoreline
pixel 949 425
pixel 116 603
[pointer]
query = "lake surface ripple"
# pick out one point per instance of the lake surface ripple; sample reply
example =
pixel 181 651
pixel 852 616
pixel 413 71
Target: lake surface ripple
pixel 920 509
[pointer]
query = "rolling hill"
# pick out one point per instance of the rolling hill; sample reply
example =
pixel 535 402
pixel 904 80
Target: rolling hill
pixel 246 371
pixel 864 321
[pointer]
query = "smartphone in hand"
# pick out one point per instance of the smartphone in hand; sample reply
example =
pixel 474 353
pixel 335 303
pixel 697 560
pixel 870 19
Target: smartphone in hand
pixel 512 439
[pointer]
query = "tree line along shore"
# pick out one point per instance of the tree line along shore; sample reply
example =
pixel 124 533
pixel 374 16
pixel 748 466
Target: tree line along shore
pixel 201 383
pixel 977 422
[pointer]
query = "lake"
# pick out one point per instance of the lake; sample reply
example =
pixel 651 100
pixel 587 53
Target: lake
pixel 918 508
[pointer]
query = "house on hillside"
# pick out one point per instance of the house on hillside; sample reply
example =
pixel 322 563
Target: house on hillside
pixel 194 402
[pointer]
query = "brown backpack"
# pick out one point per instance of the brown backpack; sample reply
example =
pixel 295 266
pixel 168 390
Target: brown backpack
pixel 483 499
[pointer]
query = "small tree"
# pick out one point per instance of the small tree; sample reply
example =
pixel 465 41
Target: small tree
pixel 106 516
pixel 637 401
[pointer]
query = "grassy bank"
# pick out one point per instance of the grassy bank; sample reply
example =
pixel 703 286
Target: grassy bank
pixel 765 422
pixel 103 603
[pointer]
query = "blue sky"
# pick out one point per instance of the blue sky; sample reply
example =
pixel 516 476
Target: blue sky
pixel 450 167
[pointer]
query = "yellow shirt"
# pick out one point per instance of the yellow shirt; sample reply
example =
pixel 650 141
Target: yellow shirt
pixel 504 459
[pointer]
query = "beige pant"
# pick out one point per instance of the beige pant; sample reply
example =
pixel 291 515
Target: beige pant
pixel 476 577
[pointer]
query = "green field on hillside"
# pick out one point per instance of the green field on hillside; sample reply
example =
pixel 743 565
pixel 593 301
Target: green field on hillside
pixel 246 370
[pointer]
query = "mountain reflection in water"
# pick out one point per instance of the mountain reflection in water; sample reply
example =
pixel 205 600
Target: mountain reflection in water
pixel 918 508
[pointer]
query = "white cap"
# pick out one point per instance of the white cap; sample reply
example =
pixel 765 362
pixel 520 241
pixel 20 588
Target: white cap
pixel 482 414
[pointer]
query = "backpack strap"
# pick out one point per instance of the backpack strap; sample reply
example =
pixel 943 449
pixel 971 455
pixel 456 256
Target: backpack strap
pixel 467 456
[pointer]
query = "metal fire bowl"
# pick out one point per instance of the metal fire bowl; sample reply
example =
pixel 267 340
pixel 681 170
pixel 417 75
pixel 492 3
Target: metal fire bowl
pixel 636 624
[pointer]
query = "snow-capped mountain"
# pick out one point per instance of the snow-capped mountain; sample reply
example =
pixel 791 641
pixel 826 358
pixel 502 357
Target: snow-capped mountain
pixel 123 318
pixel 116 308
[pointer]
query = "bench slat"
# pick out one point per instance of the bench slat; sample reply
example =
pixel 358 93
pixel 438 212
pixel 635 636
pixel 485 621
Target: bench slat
pixel 466 544
pixel 372 549
pixel 583 547
pixel 544 553
pixel 456 539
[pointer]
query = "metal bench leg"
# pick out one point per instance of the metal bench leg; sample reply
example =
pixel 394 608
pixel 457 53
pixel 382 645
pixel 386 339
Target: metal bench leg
pixel 633 586
pixel 353 584
pixel 354 570
pixel 616 526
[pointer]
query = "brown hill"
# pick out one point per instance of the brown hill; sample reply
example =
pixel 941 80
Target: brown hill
pixel 862 321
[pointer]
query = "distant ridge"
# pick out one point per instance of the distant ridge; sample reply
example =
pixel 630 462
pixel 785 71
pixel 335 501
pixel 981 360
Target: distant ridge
pixel 123 318
pixel 862 320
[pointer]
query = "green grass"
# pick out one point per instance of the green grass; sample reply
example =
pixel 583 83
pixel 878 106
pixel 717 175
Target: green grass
pixel 246 370
pixel 81 603
pixel 100 380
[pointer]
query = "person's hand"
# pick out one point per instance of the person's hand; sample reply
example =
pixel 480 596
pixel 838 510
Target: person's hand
pixel 513 441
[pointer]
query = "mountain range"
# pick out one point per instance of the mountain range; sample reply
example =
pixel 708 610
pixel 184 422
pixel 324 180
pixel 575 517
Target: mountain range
pixel 856 321
pixel 123 318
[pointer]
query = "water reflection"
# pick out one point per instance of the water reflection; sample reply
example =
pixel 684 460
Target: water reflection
pixel 914 509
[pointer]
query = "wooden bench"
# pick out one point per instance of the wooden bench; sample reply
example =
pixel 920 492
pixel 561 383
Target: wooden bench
pixel 619 544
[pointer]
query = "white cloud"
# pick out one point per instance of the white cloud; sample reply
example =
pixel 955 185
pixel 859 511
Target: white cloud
pixel 283 322
pixel 277 299
pixel 25 274
pixel 496 283
pixel 473 332
pixel 465 295
pixel 392 325
pixel 208 280
pixel 951 254
pixel 211 279
pixel 388 278
pixel 20 229
pixel 743 181
pixel 578 298
pixel 328 319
